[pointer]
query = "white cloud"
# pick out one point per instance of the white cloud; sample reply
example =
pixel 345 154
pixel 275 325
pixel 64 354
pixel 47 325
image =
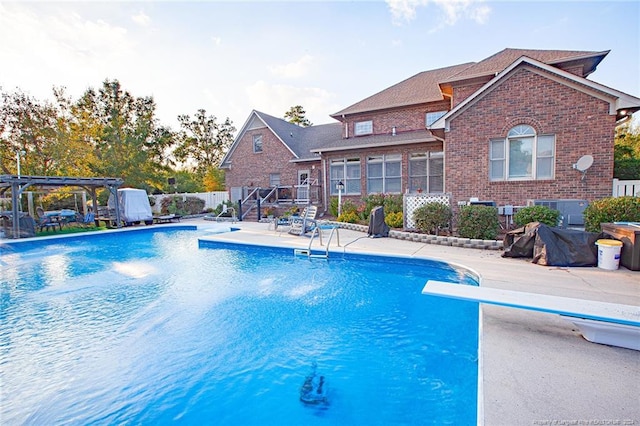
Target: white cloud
pixel 141 19
pixel 296 69
pixel 276 99
pixel 404 11
pixel 216 40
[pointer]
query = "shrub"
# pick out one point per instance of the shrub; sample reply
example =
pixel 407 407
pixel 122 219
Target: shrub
pixel 348 217
pixel 181 206
pixel 392 203
pixel 394 220
pixel 612 209
pixel 432 216
pixel 542 214
pixel 478 221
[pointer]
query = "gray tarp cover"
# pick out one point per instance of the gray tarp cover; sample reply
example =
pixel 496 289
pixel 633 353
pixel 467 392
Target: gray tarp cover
pixel 377 225
pixel 553 246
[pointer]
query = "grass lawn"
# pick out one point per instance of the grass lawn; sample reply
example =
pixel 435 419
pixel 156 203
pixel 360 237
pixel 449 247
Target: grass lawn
pixel 70 229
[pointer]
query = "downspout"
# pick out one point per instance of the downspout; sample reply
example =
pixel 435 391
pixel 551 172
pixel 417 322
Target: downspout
pixel 324 184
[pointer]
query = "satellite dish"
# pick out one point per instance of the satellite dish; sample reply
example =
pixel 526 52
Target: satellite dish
pixel 584 163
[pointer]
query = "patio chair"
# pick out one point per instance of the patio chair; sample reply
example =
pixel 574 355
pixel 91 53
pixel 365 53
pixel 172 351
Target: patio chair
pixel 46 222
pixel 86 220
pixel 305 223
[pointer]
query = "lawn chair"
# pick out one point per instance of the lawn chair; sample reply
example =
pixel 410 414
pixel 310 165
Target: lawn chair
pixel 46 222
pixel 305 223
pixel 86 220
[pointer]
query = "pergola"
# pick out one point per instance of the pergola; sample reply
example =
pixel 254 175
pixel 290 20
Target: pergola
pixel 17 184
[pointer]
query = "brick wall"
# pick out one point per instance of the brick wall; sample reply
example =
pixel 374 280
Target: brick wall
pixel 253 169
pixel 403 119
pixel 580 122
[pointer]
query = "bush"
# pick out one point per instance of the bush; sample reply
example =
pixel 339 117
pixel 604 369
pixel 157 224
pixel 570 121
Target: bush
pixel 542 214
pixel 627 169
pixel 348 217
pixel 432 216
pixel 392 203
pixel 180 206
pixel 477 221
pixel 612 209
pixel 394 220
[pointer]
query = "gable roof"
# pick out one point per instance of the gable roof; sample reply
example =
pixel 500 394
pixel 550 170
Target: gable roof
pixel 421 88
pixel 501 60
pixel 298 140
pixel 617 100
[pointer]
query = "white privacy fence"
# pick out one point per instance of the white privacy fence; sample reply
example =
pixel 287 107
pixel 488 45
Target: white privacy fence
pixel 211 199
pixel 626 187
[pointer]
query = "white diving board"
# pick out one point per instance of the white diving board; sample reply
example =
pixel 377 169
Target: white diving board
pixel 598 321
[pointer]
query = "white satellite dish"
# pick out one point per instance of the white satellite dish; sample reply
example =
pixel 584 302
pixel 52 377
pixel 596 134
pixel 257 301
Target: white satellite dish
pixel 583 164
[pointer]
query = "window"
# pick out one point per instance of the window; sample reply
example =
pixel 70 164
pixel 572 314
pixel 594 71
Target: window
pixel 384 173
pixel 257 143
pixel 363 128
pixel 432 117
pixel 346 171
pixel 274 179
pixel 523 155
pixel 426 172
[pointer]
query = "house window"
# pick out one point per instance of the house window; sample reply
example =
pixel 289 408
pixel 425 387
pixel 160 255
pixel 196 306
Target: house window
pixel 384 173
pixel 426 172
pixel 523 155
pixel 346 171
pixel 274 179
pixel 257 143
pixel 363 128
pixel 432 117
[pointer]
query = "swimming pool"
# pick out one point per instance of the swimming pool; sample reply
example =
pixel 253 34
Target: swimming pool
pixel 155 327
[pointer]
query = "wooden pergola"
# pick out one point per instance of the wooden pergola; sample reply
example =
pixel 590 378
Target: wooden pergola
pixel 18 184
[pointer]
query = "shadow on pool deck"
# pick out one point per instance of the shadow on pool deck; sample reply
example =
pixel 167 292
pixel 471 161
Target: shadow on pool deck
pixel 538 369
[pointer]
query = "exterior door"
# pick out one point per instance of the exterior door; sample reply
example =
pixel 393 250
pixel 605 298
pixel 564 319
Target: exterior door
pixel 303 186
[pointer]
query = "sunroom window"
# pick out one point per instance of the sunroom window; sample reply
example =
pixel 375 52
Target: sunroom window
pixel 347 171
pixel 522 155
pixel 384 173
pixel 426 172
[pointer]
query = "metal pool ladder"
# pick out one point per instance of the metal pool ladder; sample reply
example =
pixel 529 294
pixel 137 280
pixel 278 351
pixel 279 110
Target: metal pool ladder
pixel 307 252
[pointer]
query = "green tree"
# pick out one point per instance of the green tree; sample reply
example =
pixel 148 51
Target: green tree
pixel 297 115
pixel 124 135
pixel 627 152
pixel 203 141
pixel 29 127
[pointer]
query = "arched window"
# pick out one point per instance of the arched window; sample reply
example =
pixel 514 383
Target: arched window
pixel 522 155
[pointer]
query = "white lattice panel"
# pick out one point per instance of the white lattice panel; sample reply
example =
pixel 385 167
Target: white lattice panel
pixel 413 201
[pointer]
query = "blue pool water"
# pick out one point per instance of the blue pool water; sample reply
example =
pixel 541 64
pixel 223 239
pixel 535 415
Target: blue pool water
pixel 153 327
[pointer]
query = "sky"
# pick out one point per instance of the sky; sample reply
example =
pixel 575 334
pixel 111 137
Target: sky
pixel 231 57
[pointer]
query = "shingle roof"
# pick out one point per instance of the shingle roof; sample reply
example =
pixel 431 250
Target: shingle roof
pixel 420 88
pixel 501 60
pixel 373 141
pixel 301 140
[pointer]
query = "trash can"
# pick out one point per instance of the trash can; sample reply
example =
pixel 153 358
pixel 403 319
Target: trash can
pixel 629 234
pixel 609 254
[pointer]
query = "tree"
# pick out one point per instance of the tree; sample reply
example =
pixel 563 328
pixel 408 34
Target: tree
pixel 297 115
pixel 627 152
pixel 124 135
pixel 29 128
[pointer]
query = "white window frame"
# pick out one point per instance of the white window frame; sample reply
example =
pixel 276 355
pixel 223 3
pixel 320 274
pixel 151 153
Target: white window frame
pixel 503 163
pixel 422 177
pixel 387 180
pixel 257 144
pixel 361 128
pixel 347 171
pixel 432 117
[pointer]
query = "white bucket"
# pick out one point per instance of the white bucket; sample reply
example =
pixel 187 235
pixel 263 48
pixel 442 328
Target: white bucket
pixel 609 254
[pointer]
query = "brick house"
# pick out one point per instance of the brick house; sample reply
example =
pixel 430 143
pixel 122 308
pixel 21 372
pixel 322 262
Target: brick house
pixel 509 129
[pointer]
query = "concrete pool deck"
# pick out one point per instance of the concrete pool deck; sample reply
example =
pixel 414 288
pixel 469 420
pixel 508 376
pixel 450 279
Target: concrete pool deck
pixel 537 368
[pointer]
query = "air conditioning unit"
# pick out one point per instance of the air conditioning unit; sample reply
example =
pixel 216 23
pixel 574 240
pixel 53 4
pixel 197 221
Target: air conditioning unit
pixel 571 211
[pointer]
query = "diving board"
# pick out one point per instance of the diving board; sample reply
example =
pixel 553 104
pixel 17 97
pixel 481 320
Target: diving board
pixel 594 318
